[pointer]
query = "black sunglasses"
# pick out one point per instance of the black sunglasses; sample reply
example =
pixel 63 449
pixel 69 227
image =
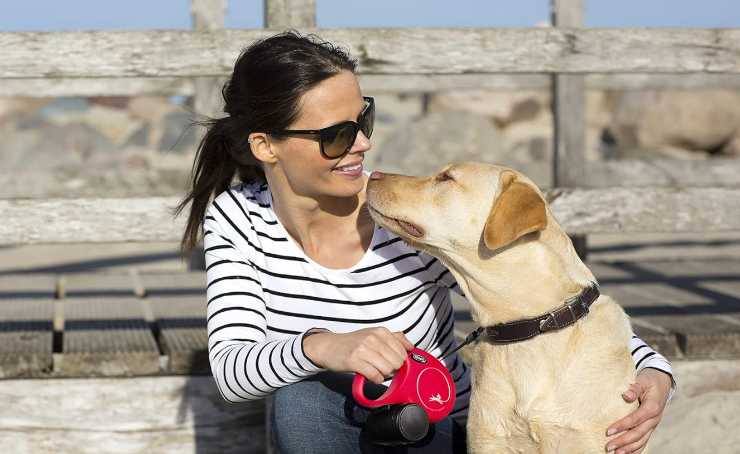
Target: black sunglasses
pixel 335 141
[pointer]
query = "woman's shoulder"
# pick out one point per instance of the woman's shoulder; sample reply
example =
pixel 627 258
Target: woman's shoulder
pixel 249 195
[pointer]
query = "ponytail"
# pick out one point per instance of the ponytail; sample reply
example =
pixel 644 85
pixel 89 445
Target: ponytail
pixel 217 160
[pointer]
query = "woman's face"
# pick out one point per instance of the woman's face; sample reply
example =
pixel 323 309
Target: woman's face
pixel 333 101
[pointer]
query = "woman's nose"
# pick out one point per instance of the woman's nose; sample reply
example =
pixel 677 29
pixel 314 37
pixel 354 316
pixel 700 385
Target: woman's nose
pixel 362 143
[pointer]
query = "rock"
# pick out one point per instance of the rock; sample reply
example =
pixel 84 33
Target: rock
pixel 425 145
pixel 177 132
pixel 138 138
pixel 505 107
pixel 678 123
pixel 114 102
pixel 64 107
pixel 524 117
pixel 49 145
pixel 115 124
pixel 150 108
pixel 12 107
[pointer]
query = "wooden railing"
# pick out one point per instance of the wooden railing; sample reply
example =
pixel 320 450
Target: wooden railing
pixel 656 196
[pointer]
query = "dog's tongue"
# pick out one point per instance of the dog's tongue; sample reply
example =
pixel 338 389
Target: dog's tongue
pixel 411 229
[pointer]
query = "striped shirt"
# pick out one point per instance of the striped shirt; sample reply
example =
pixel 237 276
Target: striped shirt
pixel 264 293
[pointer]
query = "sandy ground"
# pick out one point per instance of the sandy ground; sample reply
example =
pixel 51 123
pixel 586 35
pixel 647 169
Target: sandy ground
pixel 704 414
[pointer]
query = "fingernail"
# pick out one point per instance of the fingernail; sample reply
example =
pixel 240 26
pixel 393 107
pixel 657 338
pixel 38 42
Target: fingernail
pixel 610 448
pixel 611 432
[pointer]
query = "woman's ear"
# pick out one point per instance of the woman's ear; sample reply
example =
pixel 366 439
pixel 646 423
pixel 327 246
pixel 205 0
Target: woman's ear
pixel 262 147
pixel 517 210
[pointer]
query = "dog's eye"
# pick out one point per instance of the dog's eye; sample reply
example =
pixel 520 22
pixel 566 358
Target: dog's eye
pixel 444 176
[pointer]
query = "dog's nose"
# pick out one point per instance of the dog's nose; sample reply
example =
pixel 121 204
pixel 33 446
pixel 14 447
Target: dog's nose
pixel 377 175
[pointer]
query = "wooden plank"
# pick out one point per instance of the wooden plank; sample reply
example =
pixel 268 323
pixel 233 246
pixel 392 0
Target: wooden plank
pixel 569 132
pixel 107 338
pixel 569 117
pixel 579 211
pixel 371 83
pixel 290 13
pixel 181 325
pixel 179 284
pixel 97 285
pixel 379 51
pixel 703 336
pixel 569 106
pixel 721 172
pixel 163 414
pixel 208 15
pixel 665 343
pixel 28 286
pixel 566 13
pixel 26 338
pixel 109 220
pixel 652 297
pixel 106 86
pixel 582 211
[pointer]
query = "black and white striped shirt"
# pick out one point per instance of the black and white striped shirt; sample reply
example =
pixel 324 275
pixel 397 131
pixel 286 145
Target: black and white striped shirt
pixel 264 293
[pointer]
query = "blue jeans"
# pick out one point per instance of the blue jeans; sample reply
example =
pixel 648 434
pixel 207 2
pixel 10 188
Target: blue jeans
pixel 319 415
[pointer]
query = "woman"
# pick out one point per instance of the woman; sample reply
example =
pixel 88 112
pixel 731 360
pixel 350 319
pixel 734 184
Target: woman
pixel 302 286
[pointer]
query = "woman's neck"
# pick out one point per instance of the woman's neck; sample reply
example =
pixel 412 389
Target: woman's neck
pixel 312 221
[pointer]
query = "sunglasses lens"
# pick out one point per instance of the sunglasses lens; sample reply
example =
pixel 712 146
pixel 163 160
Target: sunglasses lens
pixel 338 141
pixel 367 122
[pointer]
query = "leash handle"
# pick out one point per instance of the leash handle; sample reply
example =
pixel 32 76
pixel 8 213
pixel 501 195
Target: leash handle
pixel 389 397
pixel 421 380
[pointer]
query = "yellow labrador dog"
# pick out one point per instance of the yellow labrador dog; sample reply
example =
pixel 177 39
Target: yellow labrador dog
pixel 549 376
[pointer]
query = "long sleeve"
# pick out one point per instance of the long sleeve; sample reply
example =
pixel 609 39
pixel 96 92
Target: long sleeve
pixel 645 357
pixel 245 365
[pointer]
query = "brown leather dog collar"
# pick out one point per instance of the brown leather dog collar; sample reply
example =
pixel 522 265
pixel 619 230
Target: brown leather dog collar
pixel 520 330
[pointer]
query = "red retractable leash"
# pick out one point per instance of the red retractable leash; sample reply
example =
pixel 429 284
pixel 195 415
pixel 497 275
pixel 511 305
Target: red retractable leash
pixel 421 392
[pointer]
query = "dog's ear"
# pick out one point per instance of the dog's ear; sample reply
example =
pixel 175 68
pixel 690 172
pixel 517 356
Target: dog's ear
pixel 518 210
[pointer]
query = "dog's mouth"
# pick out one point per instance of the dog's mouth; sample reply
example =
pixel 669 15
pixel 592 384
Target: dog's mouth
pixel 410 228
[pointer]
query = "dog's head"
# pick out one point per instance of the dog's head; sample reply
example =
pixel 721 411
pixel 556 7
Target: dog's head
pixel 466 208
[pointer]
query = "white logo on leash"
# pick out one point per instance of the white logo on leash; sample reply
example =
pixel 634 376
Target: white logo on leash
pixel 437 398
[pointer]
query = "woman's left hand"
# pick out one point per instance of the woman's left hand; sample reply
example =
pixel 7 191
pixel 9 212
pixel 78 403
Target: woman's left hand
pixel 651 387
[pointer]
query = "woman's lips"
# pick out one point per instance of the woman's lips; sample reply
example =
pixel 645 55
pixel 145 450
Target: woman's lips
pixel 350 170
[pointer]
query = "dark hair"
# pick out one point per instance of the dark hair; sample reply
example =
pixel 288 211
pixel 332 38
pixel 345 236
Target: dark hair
pixel 263 93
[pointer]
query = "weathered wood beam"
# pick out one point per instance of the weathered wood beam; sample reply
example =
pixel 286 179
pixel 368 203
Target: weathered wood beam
pixel 126 86
pixel 580 211
pixel 663 172
pixel 568 107
pixel 371 83
pixel 290 14
pixel 208 15
pixel 569 115
pixel 379 51
pixel 674 210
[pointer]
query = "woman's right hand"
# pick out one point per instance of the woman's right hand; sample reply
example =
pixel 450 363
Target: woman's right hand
pixel 373 352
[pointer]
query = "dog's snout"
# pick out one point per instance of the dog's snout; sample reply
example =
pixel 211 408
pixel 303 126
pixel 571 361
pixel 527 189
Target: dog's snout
pixel 377 175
